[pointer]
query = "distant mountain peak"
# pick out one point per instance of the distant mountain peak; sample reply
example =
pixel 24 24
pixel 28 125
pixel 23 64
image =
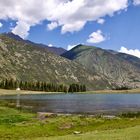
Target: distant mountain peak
pixel 13 36
pixel 79 45
pixel 82 47
pixel 52 49
pixel 119 69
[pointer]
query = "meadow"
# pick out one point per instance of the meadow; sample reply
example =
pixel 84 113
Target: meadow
pixel 18 124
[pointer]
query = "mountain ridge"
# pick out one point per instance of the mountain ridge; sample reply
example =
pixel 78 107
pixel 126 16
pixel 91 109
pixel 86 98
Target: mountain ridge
pixel 90 65
pixel 117 69
pixel 22 61
pixel 53 49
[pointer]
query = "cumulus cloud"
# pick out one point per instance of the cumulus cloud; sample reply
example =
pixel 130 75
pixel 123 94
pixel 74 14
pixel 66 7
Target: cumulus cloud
pixel 100 21
pixel 52 25
pixel 136 2
pixel 77 26
pixel 21 29
pixel 96 37
pixel 50 45
pixel 135 52
pixel 1 24
pixel 71 15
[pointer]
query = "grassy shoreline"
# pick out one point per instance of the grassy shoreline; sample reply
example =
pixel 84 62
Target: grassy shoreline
pixel 17 124
pixel 13 92
pixel 116 91
pixel 131 133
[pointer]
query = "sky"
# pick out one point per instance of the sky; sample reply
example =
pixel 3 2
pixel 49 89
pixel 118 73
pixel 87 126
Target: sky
pixel 108 24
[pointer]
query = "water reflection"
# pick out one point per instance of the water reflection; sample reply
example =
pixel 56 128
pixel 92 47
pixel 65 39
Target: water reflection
pixel 78 103
pixel 18 100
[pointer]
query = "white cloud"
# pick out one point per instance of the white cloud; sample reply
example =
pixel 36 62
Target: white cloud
pixel 77 26
pixel 70 15
pixel 136 2
pixel 21 29
pixel 96 37
pixel 100 21
pixel 70 47
pixel 135 52
pixel 52 25
pixel 50 45
pixel 1 24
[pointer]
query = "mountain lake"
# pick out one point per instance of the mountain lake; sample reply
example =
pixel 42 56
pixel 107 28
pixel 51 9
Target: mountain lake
pixel 75 103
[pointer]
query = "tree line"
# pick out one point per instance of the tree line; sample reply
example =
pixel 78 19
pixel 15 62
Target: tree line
pixel 41 86
pixel 77 88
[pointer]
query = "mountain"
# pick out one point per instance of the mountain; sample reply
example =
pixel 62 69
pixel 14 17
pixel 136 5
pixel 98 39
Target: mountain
pixel 118 68
pixel 132 59
pixel 27 62
pixel 55 50
pixel 52 49
pixel 12 35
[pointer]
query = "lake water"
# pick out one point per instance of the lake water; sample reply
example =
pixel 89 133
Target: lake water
pixel 78 103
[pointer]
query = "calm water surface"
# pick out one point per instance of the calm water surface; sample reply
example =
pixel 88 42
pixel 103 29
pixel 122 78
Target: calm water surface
pixel 78 103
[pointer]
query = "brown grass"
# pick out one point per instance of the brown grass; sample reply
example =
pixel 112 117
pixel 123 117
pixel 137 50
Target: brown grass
pixel 12 92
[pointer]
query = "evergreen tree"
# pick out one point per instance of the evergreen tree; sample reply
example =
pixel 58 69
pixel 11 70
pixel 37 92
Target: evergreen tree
pixel 41 86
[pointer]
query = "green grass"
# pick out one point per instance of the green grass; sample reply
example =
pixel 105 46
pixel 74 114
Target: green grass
pixel 17 125
pixel 117 134
pixel 10 116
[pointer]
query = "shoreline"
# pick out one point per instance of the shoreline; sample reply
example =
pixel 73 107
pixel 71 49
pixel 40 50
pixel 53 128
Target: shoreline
pixel 115 91
pixel 24 92
pixel 49 127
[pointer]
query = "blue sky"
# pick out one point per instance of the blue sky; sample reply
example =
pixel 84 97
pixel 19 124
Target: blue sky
pixel 116 27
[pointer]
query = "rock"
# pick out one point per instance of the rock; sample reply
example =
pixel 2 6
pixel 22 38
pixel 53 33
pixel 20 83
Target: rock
pixel 76 132
pixel 44 115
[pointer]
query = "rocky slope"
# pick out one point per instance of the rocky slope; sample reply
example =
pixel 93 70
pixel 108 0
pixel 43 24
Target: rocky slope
pixel 52 49
pixel 118 68
pixel 23 61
